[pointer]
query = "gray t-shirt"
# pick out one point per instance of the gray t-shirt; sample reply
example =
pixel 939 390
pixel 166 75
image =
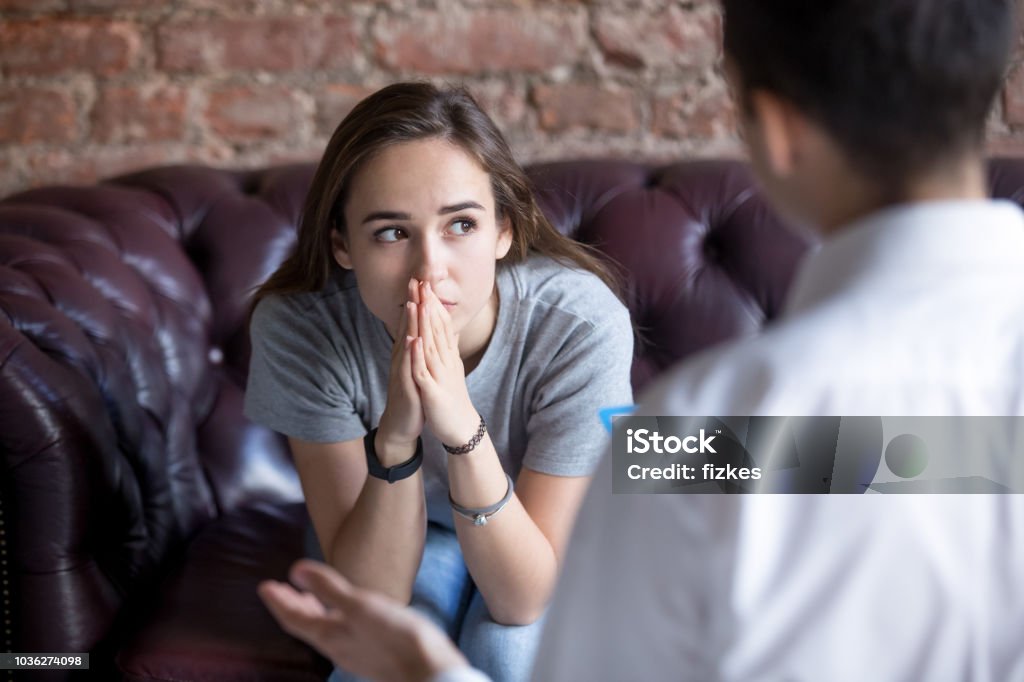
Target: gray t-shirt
pixel 561 350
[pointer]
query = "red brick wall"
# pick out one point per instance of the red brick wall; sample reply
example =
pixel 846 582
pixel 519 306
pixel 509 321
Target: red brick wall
pixel 90 88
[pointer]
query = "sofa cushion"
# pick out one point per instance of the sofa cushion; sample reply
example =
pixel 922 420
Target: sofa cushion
pixel 205 622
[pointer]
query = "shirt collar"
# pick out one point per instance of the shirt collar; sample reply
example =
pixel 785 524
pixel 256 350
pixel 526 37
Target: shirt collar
pixel 944 238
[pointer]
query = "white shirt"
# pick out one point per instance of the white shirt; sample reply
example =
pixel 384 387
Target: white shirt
pixel 917 310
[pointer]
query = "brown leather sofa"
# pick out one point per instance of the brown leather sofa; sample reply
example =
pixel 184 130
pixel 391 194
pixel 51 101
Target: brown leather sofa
pixel 139 508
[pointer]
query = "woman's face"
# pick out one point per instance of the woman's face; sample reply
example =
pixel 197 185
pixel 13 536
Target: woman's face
pixel 425 210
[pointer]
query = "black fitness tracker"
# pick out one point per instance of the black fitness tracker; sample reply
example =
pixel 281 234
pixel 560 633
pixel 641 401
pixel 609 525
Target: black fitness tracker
pixel 397 472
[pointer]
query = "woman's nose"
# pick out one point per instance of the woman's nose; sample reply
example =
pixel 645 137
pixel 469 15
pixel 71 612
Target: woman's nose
pixel 431 265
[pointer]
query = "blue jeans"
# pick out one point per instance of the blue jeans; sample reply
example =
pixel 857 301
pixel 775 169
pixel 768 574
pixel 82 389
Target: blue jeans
pixel 445 593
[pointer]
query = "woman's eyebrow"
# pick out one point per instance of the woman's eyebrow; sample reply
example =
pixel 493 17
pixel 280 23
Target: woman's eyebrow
pixel 385 215
pixel 454 208
pixel 396 215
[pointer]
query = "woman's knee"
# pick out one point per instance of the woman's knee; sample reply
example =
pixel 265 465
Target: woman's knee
pixel 504 652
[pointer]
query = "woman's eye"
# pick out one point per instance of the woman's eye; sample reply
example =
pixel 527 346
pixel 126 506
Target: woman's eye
pixel 462 226
pixel 389 234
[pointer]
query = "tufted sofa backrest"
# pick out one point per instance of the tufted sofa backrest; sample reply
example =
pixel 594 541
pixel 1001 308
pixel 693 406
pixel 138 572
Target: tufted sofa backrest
pixel 123 349
pixel 702 256
pixel 122 362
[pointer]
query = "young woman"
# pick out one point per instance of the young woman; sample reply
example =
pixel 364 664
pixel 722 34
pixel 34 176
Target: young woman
pixel 437 353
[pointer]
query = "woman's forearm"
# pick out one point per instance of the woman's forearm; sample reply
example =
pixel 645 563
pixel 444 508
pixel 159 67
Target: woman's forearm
pixel 512 562
pixel 380 543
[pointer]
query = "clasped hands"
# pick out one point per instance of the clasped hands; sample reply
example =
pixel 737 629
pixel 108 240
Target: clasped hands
pixel 427 384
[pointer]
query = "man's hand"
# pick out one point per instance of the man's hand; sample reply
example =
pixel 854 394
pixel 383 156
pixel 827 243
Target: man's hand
pixel 361 632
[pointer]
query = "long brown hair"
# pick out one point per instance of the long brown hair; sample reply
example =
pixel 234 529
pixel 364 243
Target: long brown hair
pixel 405 112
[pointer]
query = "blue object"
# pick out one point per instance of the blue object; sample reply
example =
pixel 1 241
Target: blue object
pixel 606 414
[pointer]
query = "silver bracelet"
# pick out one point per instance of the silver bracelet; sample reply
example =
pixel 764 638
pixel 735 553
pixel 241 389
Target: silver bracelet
pixel 479 516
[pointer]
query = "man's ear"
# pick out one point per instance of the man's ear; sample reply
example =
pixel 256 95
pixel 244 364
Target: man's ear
pixel 504 238
pixel 783 131
pixel 340 249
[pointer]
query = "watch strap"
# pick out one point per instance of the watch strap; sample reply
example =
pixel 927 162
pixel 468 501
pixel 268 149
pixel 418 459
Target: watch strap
pixel 393 473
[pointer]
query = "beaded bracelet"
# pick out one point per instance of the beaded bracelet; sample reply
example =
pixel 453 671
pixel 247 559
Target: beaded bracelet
pixel 473 442
pixel 479 516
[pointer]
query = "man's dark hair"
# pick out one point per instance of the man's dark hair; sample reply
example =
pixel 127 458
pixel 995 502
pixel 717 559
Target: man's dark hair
pixel 901 85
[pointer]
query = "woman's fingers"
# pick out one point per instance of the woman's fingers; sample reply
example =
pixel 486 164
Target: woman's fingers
pixel 400 364
pixel 401 380
pixel 412 319
pixel 420 371
pixel 407 317
pixel 444 339
pixel 405 368
pixel 445 323
pixel 436 310
pixel 427 335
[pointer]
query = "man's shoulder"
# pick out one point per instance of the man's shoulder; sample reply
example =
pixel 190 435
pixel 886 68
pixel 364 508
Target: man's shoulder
pixel 779 371
pixel 724 380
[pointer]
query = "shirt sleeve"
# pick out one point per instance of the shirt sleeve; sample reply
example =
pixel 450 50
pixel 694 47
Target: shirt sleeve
pixel 300 382
pixel 589 371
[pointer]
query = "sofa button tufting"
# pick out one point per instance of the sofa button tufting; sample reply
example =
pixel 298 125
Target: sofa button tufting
pixel 215 356
pixel 712 252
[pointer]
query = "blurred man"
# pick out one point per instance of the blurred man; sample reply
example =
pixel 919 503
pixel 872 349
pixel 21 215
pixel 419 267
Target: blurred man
pixel 864 119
